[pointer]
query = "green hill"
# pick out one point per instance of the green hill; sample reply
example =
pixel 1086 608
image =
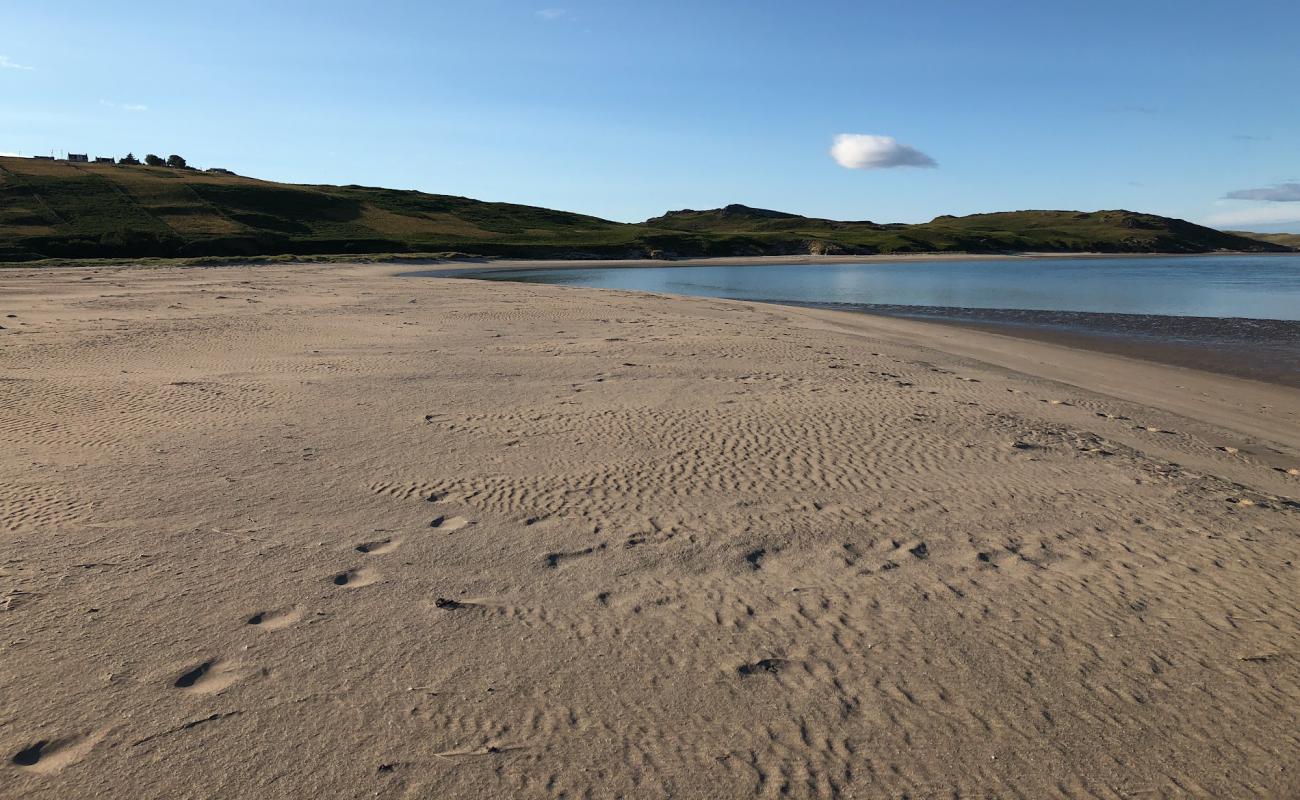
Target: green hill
pixel 54 209
pixel 1291 240
pixel 1008 231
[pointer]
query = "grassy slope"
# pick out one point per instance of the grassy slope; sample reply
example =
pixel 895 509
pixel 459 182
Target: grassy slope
pixel 93 210
pixel 1291 240
pixel 60 210
pixel 1037 231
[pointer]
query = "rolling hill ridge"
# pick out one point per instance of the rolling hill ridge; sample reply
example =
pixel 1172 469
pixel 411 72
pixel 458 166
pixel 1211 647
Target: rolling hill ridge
pixel 52 209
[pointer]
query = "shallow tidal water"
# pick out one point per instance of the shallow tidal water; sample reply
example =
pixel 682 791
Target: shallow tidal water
pixel 1233 314
pixel 1245 286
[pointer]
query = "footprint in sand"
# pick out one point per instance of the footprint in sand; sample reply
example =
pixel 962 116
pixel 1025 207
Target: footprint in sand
pixel 1246 502
pixel 378 546
pixel 1097 451
pixel 764 666
pixel 553 560
pixel 1150 429
pixel 52 755
pixel 449 524
pixel 448 604
pixel 209 677
pixel 355 578
pixel 275 620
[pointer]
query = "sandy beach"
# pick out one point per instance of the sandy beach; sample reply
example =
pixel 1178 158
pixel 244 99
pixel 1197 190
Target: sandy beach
pixel 324 531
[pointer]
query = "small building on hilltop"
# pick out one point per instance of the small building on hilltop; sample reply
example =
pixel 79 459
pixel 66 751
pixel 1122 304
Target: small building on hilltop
pixel 103 160
pixel 79 158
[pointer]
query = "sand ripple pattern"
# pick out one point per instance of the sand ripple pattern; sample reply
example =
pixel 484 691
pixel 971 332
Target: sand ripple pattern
pixel 285 532
pixel 832 447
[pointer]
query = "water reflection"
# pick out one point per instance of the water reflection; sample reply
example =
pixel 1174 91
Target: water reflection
pixel 1260 287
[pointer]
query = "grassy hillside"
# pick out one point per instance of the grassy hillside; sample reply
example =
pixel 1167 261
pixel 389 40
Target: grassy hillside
pixel 1009 231
pixel 59 210
pixel 102 210
pixel 1291 240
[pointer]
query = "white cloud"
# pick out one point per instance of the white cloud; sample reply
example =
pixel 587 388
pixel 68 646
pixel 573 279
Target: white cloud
pixel 1268 215
pixel 133 107
pixel 550 14
pixel 5 63
pixel 1277 193
pixel 863 151
pixel 7 154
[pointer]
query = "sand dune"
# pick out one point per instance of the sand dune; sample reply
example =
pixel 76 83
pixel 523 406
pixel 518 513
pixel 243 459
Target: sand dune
pixel 294 532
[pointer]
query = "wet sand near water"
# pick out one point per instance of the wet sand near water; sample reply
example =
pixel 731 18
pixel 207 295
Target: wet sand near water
pixel 1258 349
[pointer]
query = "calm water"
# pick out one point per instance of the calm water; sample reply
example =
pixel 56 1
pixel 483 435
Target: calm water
pixel 1259 287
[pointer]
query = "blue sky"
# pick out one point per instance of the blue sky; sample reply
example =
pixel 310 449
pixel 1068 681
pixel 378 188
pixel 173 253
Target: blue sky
pixel 628 109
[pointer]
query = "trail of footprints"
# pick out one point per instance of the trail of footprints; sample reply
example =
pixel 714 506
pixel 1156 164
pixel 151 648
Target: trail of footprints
pixel 216 674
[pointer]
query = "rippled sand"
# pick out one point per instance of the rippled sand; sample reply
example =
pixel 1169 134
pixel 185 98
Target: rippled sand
pixel 286 532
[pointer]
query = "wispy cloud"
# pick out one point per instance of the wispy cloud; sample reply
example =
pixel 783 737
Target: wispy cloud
pixel 1277 193
pixel 133 107
pixel 1246 137
pixel 552 14
pixel 5 63
pixel 7 154
pixel 865 151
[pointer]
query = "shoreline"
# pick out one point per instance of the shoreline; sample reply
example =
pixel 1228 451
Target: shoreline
pixel 521 265
pixel 1180 341
pixel 1240 361
pixel 1269 352
pixel 491 263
